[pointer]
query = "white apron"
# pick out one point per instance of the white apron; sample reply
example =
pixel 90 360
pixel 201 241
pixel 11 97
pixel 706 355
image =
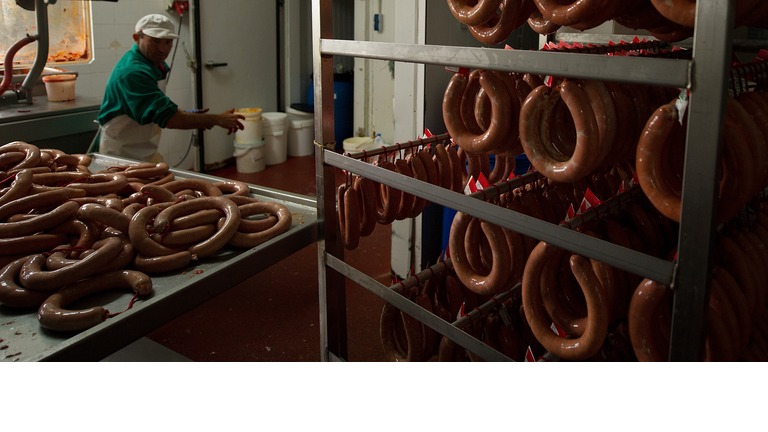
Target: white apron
pixel 123 136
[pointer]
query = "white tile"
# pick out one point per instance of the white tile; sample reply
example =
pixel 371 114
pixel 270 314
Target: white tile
pixel 128 12
pixel 80 68
pixel 99 83
pixel 105 60
pixel 103 12
pixel 124 35
pixel 155 7
pixel 103 35
pixel 83 85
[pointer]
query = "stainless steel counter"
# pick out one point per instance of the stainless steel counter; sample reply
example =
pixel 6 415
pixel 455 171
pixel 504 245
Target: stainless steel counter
pixel 174 293
pixel 45 120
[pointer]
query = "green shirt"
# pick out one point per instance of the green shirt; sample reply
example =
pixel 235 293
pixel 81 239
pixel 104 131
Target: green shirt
pixel 132 90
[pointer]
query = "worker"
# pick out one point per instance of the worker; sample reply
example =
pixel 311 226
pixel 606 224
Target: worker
pixel 135 106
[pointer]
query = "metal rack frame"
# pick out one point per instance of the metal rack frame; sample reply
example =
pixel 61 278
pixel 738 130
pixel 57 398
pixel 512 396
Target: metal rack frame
pixel 705 76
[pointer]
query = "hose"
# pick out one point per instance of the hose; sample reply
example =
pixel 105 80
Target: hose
pixel 8 61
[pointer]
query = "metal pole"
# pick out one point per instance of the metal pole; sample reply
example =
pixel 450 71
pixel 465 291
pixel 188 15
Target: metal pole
pixel 41 20
pixel 333 314
pixel 711 67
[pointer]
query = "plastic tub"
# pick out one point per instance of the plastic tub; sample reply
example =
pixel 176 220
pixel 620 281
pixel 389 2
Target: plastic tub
pixel 60 88
pixel 252 123
pixel 301 137
pixel 358 144
pixel 294 114
pixel 276 146
pixel 249 157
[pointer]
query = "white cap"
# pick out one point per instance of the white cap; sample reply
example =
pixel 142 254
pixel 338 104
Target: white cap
pixel 157 26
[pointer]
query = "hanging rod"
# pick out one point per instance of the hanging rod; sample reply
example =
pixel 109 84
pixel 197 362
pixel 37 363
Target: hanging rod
pixel 398 146
pixel 421 277
pixel 612 205
pixel 505 186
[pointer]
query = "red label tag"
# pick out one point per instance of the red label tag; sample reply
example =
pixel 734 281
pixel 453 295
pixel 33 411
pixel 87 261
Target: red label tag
pixel 589 201
pixel 762 56
pixel 481 182
pixel 529 355
pixel 548 80
pixel 635 180
pixel 511 175
pixel 461 70
pixel 427 133
pixel 507 47
pixel 530 168
pixel 471 186
pixel 571 213
pixel 461 311
pixel 558 331
pixel 621 188
pixel 636 40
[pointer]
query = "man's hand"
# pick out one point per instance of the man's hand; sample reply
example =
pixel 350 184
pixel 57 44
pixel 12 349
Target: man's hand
pixel 231 121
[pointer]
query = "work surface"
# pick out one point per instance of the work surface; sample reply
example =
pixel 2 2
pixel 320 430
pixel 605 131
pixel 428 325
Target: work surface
pixel 174 293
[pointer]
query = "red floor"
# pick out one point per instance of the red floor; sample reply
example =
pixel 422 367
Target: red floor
pixel 273 316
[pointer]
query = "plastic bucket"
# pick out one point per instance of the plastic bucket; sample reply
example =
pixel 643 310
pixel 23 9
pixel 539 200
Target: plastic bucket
pixel 274 131
pixel 301 137
pixel 249 157
pixel 60 88
pixel 358 144
pixel 252 123
pixel 294 114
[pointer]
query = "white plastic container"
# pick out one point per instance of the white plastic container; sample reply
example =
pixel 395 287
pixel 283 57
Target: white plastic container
pixel 274 128
pixel 358 144
pixel 301 137
pixel 249 157
pixel 252 123
pixel 60 88
pixel 294 114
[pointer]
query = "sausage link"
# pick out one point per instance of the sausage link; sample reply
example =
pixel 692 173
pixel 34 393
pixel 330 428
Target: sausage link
pixel 159 193
pixel 572 323
pixel 234 187
pixel 107 216
pixel 137 232
pixel 648 297
pixel 40 223
pixel 53 315
pixel 419 173
pixel 596 329
pixel 158 170
pixel 473 13
pixel 406 200
pixel 32 154
pixel 387 200
pixel 389 314
pixel 185 237
pixel 252 226
pixel 227 229
pixel 27 203
pixel 195 184
pixel 14 295
pixel 31 243
pixel 19 187
pixel 162 264
pixel 348 202
pixel 484 285
pixel 284 221
pixel 87 234
pixel 33 277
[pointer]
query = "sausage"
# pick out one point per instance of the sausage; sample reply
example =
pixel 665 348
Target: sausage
pixel 87 234
pixel 10 159
pixel 572 323
pixel 32 154
pixel 757 264
pixel 494 283
pixel 53 315
pixel 596 329
pixel 419 173
pixel 202 217
pixel 185 237
pixel 735 261
pixel 195 184
pixel 449 351
pixel 27 203
pixel 227 229
pixel 648 297
pixel 541 25
pixel 682 12
pixel 430 338
pixel 474 106
pixel 158 193
pixel 498 27
pixel 234 187
pixel 137 232
pixel 389 314
pixel 131 209
pixel 284 221
pixel 406 200
pixel 252 226
pixel 456 170
pixel 473 14
pixel 605 116
pixel 568 14
pixel 348 202
pixel 429 165
pixel 739 302
pixel 146 172
pixel 107 216
pixel 30 243
pixel 162 264
pixel 19 187
pixel 645 228
pixel 473 242
pixel 387 200
pixel 33 277
pixel 40 223
pixel 443 163
pixel 534 117
pixel 720 304
pixel 14 295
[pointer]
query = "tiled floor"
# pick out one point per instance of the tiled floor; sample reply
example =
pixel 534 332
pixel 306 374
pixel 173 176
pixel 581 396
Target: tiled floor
pixel 274 315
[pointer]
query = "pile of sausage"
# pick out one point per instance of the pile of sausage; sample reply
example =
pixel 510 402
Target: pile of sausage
pixel 492 21
pixel 737 316
pixel 661 149
pixel 66 233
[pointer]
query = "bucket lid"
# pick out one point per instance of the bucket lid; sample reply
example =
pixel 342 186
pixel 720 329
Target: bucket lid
pixel 301 123
pixel 307 108
pixel 249 112
pixel 250 144
pixel 59 78
pixel 300 114
pixel 275 117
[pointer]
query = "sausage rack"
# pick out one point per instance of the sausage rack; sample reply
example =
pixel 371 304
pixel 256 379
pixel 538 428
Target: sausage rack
pixel 705 76
pixel 175 293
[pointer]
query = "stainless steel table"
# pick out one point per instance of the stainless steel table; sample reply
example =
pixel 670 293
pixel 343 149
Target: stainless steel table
pixel 174 293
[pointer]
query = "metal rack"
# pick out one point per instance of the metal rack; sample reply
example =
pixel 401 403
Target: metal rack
pixel 706 78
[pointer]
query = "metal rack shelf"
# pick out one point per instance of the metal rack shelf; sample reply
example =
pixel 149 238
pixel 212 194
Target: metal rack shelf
pixel 705 76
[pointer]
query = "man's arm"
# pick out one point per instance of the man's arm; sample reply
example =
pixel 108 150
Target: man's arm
pixel 227 120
